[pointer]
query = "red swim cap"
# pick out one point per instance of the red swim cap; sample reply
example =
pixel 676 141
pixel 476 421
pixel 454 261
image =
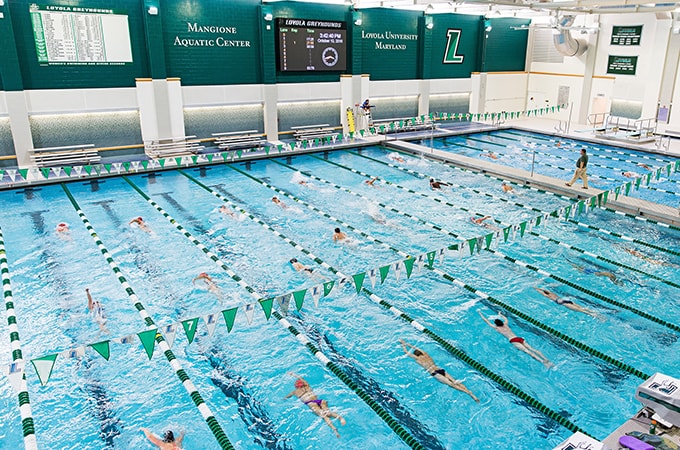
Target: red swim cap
pixel 299 383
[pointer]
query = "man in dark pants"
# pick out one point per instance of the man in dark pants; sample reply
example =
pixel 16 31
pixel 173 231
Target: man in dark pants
pixel 580 172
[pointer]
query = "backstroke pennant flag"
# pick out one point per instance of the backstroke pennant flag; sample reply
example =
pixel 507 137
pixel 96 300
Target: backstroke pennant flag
pixel 266 305
pixel 384 270
pixel 372 274
pixel 15 373
pixel 315 292
pixel 299 297
pixel 148 339
pixel 43 367
pixel 430 258
pixel 249 309
pixel 359 280
pixel 408 263
pixel 169 332
pixel 189 326
pixel 328 287
pixel 210 323
pixel 284 302
pixel 229 317
pixel 77 352
pixel 397 269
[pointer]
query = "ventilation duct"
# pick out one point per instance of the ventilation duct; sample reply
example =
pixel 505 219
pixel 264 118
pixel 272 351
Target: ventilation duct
pixel 564 43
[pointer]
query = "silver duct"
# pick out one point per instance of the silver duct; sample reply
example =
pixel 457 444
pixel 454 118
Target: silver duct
pixel 564 43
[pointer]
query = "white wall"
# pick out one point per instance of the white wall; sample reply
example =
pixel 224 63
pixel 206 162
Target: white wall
pixel 3 104
pixel 80 100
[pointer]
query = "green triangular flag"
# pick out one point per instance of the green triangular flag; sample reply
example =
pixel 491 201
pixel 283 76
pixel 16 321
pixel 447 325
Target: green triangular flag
pixel 605 194
pixel 668 169
pixel 225 156
pixel 506 232
pixel 567 211
pixel 43 367
pixel 408 263
pixel 239 153
pixel 538 221
pixel 108 167
pixel 430 258
pixel 471 244
pixel 102 348
pixel 148 339
pixel 628 186
pixel 359 280
pixel 189 326
pixel 384 270
pixel 126 164
pixel 145 163
pixel 229 317
pixel 178 160
pixel 489 238
pixel 45 171
pixel 361 132
pixel 279 147
pixel 267 306
pixel 24 173
pixel 67 170
pixel 522 227
pixel 194 159
pixel 328 287
pixel 299 297
pixel 617 191
pixel 210 157
pixel 581 206
pixel 637 183
pixel 88 169
pixel 161 162
pixel 649 178
pixel 266 149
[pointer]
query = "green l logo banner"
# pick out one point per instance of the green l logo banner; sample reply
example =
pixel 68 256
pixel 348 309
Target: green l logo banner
pixel 453 38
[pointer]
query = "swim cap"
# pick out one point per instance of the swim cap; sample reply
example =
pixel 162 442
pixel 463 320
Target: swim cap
pixel 299 383
pixel 292 260
pixel 202 274
pixel 61 224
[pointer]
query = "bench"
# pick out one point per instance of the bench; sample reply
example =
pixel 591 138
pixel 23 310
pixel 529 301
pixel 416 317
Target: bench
pixel 172 147
pixel 239 139
pixel 308 132
pixel 67 155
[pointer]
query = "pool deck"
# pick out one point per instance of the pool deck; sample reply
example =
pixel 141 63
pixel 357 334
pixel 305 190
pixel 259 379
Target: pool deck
pixel 640 422
pixel 654 211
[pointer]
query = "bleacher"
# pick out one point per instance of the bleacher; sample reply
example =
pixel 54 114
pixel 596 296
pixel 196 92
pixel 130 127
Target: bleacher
pixel 64 156
pixel 407 124
pixel 239 139
pixel 307 132
pixel 163 148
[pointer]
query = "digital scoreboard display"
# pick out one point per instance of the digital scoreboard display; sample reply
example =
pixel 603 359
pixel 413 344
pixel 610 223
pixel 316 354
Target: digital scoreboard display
pixel 311 45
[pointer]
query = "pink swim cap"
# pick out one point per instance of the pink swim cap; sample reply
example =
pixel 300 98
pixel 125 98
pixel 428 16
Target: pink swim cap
pixel 299 383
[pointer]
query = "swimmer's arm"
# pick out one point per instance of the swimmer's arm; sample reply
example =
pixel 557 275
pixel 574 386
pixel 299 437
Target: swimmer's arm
pixel 291 394
pixel 150 436
pixel 484 318
pixel 180 439
pixel 89 299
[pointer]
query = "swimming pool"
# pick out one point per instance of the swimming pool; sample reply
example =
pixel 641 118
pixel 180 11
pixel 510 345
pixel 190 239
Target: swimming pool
pixel 608 166
pixel 347 347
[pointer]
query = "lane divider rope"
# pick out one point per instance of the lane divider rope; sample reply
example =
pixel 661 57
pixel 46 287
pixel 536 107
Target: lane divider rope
pixel 191 389
pixel 400 431
pixel 25 411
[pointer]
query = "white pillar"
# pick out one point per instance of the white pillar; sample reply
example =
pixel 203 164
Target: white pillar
pixel 20 127
pixel 270 93
pixel 161 109
pixel 424 97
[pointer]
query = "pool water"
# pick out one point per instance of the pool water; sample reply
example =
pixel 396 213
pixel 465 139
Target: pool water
pixel 243 375
pixel 556 157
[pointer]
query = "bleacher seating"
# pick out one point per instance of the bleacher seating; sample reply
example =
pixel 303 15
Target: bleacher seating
pixel 163 148
pixel 308 132
pixel 403 124
pixel 239 139
pixel 64 156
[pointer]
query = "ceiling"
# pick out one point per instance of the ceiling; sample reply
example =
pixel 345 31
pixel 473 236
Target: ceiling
pixel 524 8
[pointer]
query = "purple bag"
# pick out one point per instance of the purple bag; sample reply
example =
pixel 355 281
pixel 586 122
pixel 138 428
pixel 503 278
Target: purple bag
pixel 634 443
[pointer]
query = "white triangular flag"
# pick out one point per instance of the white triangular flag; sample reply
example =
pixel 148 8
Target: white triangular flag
pixel 56 171
pixel 441 252
pixel 372 274
pixel 397 269
pixel 78 170
pixel 420 261
pixel 284 302
pixel 117 166
pixel 249 309
pixel 316 292
pixel 43 367
pixel 210 323
pixel 15 373
pixel 78 352
pixel 135 165
pixel 169 332
pixel 12 174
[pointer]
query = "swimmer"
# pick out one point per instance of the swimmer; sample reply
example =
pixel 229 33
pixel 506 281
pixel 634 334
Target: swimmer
pixel 371 182
pixel 597 273
pixel 338 235
pixel 437 184
pixel 297 265
pixel 224 209
pixel 62 227
pixel 501 325
pixel 507 188
pixel 438 373
pixel 304 392
pixel 630 174
pixel 278 202
pixel 644 166
pixel 140 224
pixel 97 310
pixel 644 257
pixel 396 157
pixel 167 442
pixel 565 302
pixel 481 222
pixel 490 154
pixel 212 287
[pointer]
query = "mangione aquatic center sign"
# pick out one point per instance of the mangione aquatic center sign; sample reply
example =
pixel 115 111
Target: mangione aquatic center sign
pixel 203 35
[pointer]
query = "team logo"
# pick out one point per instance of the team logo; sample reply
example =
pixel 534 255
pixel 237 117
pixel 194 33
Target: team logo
pixel 453 38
